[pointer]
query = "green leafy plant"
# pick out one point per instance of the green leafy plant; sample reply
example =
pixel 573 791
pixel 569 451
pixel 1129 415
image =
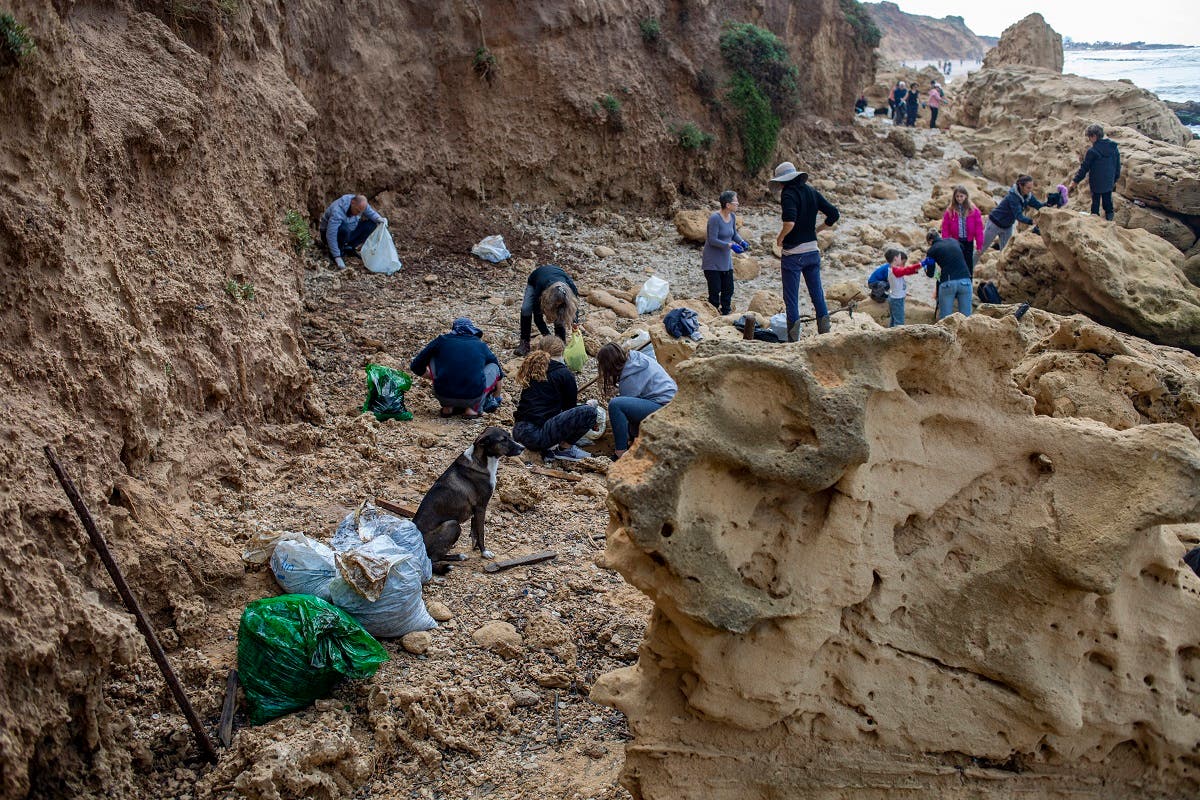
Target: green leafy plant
pixel 612 111
pixel 651 30
pixel 864 26
pixel 297 226
pixel 15 41
pixel 239 291
pixel 762 56
pixel 691 137
pixel 757 124
pixel 484 63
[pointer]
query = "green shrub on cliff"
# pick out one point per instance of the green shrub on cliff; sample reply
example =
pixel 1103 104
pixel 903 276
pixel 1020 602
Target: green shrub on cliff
pixel 762 56
pixel 297 226
pixel 651 30
pixel 860 20
pixel 15 41
pixel 691 137
pixel 757 125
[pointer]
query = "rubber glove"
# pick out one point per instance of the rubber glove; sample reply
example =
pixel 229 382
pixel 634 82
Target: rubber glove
pixel 735 247
pixel 383 221
pixel 340 263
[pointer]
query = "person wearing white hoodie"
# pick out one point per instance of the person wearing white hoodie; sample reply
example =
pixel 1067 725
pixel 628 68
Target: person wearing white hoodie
pixel 636 386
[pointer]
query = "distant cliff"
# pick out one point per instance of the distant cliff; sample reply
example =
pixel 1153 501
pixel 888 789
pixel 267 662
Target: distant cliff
pixel 908 37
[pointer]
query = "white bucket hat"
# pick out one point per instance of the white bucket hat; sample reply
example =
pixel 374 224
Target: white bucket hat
pixel 786 172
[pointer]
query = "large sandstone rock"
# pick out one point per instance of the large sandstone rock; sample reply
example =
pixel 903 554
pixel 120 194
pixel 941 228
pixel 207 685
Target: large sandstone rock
pixel 943 191
pixel 693 225
pixel 1129 279
pixel 1160 223
pixel 1029 43
pixel 878 571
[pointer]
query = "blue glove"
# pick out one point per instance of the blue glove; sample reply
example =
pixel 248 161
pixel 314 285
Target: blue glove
pixel 735 247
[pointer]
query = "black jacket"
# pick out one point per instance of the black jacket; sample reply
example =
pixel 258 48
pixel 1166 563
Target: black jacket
pixel 460 361
pixel 801 203
pixel 948 254
pixel 1103 164
pixel 541 400
pixel 1012 208
pixel 913 99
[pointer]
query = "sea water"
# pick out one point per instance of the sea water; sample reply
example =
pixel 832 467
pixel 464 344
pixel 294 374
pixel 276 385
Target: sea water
pixel 1172 74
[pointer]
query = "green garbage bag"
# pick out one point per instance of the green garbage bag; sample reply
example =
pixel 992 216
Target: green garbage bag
pixel 292 649
pixel 385 393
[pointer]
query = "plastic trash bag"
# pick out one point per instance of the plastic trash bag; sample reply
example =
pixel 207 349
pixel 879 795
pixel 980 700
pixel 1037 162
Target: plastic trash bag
pixel 597 430
pixel 378 252
pixel 491 249
pixel 303 566
pixel 653 295
pixel 262 544
pixel 380 586
pixel 575 353
pixel 293 649
pixel 385 393
pixel 779 326
pixel 368 522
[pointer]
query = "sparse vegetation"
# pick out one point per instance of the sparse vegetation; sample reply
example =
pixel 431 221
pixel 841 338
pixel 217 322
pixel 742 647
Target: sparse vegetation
pixel 864 26
pixel 239 292
pixel 651 30
pixel 484 63
pixel 297 226
pixel 764 89
pixel 691 137
pixel 15 41
pixel 612 111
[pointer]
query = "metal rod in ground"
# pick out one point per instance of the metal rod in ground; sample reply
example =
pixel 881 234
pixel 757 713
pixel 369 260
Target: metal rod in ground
pixel 202 741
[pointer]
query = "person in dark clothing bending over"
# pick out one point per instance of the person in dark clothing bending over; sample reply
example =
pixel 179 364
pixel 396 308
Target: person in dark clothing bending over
pixel 954 283
pixel 549 419
pixel 550 295
pixel 1102 165
pixel 464 370
pixel 1007 213
pixel 797 240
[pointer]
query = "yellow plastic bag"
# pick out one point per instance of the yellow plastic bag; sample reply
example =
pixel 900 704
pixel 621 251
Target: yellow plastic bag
pixel 576 354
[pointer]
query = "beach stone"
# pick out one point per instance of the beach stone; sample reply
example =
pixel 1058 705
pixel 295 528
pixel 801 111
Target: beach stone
pixel 883 191
pixel 1160 223
pixel 523 697
pixel 602 251
pixel 439 611
pixel 693 225
pixel 1028 43
pixel 746 267
pixel 416 642
pixel 902 140
pixel 766 303
pixel 430 278
pixel 499 637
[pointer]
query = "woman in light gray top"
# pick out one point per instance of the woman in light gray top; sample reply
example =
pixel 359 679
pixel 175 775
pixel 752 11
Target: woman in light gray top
pixel 722 242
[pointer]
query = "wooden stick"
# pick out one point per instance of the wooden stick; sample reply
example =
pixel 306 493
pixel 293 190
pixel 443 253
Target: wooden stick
pixel 555 473
pixel 225 729
pixel 557 721
pixel 535 558
pixel 202 741
pixel 396 508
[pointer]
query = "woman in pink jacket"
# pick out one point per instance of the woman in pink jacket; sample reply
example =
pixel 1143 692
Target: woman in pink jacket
pixel 963 223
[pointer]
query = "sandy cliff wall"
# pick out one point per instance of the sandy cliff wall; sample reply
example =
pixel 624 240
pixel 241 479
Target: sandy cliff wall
pixel 149 154
pixel 911 37
pixel 1029 42
pixel 927 561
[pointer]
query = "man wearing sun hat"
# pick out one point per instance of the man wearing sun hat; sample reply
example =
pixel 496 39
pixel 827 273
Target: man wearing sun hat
pixel 797 240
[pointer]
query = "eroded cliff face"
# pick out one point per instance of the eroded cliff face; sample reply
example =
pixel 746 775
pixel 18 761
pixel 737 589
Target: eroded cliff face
pixel 1031 43
pixel 878 566
pixel 149 318
pixel 909 37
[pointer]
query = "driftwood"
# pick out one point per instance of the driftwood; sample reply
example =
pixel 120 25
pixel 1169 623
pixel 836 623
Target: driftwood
pixel 534 558
pixel 160 657
pixel 555 473
pixel 225 729
pixel 622 308
pixel 396 508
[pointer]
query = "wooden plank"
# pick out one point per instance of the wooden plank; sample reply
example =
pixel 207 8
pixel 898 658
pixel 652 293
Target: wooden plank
pixel 555 473
pixel 534 558
pixel 225 730
pixel 397 508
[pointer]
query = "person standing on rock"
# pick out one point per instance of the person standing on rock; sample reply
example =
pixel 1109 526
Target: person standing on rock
pixel 797 241
pixel 896 102
pixel 343 228
pixel 963 223
pixel 912 101
pixel 721 242
pixel 550 295
pixel 935 103
pixel 1008 212
pixel 1102 165
pixel 954 282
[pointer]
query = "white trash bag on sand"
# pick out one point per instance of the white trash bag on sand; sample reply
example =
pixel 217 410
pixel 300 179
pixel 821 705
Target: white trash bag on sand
pixel 303 566
pixel 653 295
pixel 379 252
pixel 492 249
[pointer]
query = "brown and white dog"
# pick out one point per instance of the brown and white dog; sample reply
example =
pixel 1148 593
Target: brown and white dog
pixel 462 493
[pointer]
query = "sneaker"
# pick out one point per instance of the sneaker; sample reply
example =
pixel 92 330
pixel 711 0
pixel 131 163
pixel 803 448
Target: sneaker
pixel 570 454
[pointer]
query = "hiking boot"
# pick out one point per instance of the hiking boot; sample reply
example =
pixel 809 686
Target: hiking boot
pixel 569 454
pixel 350 251
pixel 823 325
pixel 522 348
pixel 794 332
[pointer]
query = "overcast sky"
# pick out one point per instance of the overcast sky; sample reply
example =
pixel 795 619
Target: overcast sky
pixel 1163 21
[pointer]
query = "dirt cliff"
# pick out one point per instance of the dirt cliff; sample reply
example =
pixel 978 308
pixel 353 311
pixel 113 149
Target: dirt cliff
pixel 913 37
pixel 151 305
pixel 879 566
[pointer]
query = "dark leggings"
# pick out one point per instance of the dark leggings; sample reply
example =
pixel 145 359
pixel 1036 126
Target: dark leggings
pixel 933 117
pixel 566 426
pixel 1106 199
pixel 968 250
pixel 720 289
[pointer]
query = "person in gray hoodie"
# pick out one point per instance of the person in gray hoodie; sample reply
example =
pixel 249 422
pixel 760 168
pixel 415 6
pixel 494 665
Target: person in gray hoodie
pixel 636 386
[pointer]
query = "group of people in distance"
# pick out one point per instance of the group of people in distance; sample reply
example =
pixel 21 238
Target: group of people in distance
pixel 467 375
pixel 904 102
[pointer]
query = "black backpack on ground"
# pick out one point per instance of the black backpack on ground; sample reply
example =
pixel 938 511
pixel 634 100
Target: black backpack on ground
pixel 988 293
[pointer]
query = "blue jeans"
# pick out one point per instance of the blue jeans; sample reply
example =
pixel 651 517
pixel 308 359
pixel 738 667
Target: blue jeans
pixel 355 237
pixel 792 268
pixel 950 291
pixel 627 413
pixel 896 306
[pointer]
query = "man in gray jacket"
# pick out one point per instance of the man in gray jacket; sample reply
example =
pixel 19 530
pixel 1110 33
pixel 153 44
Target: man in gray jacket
pixel 343 228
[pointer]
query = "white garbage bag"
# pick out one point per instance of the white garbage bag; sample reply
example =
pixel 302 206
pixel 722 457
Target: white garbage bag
pixel 779 326
pixel 652 295
pixel 303 566
pixel 491 249
pixel 398 607
pixel 379 252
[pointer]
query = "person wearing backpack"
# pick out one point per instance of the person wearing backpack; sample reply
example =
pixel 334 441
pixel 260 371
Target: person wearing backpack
pixel 1102 165
pixel 895 273
pixel 963 222
pixel 954 281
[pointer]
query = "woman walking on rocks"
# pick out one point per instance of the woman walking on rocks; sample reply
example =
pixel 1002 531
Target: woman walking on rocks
pixel 721 243
pixel 963 222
